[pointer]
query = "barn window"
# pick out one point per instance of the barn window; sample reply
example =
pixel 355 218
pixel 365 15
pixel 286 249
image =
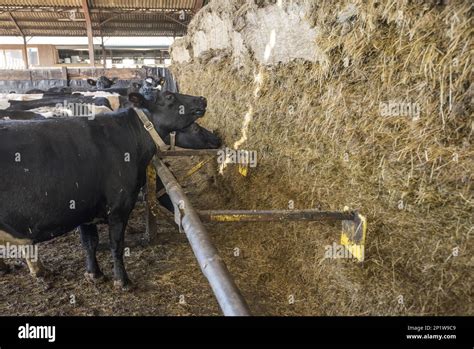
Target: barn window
pixel 11 59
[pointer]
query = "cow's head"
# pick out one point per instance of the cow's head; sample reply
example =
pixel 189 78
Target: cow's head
pixel 171 111
pixel 135 86
pixel 150 87
pixel 149 82
pixel 102 82
pixel 157 83
pixel 196 137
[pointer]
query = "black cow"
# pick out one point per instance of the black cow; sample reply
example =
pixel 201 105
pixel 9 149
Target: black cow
pixel 35 91
pixel 191 137
pixel 62 105
pixel 102 82
pixel 51 91
pixel 54 100
pixel 58 174
pixel 20 115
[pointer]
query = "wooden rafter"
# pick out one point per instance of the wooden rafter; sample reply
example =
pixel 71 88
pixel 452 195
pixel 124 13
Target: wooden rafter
pixel 197 5
pixel 25 51
pixel 90 38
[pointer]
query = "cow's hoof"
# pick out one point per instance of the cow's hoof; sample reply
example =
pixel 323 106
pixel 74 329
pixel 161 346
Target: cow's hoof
pixel 94 278
pixel 123 285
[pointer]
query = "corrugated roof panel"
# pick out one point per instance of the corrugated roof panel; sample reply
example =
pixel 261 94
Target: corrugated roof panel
pixel 107 4
pixel 120 15
pixel 145 4
pixel 43 3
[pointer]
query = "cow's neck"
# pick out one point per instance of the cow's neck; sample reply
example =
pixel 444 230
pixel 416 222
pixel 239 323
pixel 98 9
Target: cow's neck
pixel 145 141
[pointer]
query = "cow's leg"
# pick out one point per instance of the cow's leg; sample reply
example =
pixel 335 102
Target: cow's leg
pixel 90 240
pixel 117 224
pixel 36 267
pixel 34 264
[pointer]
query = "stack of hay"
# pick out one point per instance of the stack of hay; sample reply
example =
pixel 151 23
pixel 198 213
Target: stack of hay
pixel 378 119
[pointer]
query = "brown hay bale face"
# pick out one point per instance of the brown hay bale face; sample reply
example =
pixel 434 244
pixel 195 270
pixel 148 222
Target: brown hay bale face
pixel 381 121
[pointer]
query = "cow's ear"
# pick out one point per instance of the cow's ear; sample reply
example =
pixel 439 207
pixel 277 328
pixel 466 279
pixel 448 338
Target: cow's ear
pixel 137 99
pixel 91 82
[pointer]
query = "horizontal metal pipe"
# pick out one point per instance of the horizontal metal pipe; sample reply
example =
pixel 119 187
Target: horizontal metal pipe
pixel 228 295
pixel 272 215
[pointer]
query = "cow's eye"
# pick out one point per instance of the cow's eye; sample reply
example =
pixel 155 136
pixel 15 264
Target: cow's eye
pixel 169 97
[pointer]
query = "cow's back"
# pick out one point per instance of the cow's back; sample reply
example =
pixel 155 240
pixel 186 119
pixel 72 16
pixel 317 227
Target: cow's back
pixel 57 174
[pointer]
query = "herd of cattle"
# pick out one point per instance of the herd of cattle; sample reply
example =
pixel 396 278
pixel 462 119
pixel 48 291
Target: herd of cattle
pixel 60 170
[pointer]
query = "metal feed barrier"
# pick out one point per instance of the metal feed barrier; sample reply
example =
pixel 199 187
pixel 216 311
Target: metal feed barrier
pixel 190 221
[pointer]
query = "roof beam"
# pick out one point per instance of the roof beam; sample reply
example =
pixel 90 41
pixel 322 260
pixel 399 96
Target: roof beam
pixel 142 12
pixel 175 20
pixel 90 38
pixel 197 5
pixel 25 51
pixel 108 20
pixel 16 24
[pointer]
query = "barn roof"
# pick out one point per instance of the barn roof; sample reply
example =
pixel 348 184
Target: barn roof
pixel 108 17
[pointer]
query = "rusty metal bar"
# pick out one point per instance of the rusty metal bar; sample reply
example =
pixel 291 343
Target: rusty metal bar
pixel 187 152
pixel 228 295
pixel 272 215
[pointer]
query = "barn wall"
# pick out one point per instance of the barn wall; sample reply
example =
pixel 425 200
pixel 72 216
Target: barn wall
pixel 363 104
pixel 48 54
